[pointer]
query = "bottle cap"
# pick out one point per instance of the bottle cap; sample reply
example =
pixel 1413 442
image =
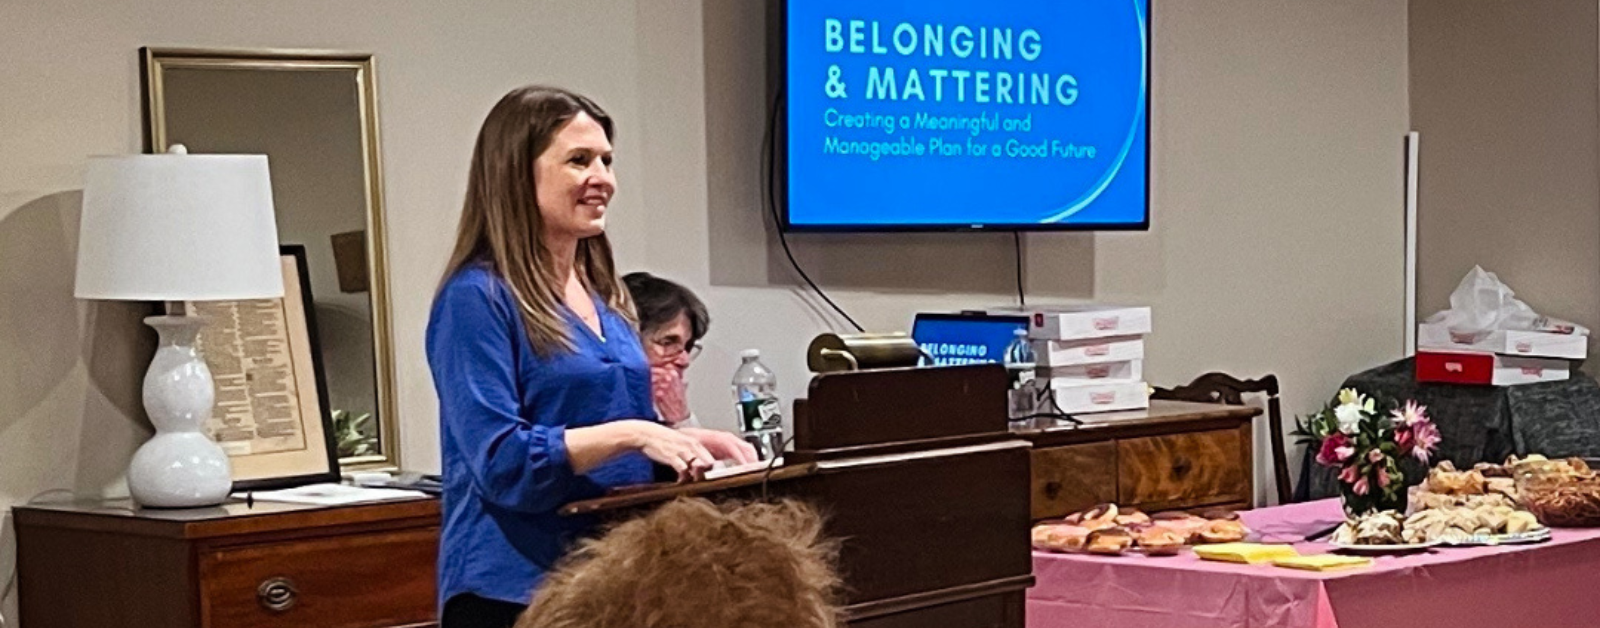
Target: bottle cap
pixel 750 353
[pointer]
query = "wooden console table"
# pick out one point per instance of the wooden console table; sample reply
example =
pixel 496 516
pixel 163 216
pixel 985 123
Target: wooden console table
pixel 1174 456
pixel 108 564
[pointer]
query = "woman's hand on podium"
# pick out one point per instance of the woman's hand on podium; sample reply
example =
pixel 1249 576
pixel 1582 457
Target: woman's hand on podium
pixel 683 452
pixel 723 445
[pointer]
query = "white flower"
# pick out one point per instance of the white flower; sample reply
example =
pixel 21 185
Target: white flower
pixel 1349 416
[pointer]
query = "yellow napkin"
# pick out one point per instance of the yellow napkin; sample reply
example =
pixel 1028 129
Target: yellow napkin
pixel 1323 562
pixel 1251 553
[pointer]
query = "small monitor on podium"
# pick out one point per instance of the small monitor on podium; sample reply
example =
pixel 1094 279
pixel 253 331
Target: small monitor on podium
pixel 967 337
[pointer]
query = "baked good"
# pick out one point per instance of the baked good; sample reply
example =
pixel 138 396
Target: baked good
pixel 1181 523
pixel 1446 480
pixel 1568 499
pixel 1224 531
pixel 1521 521
pixel 1110 541
pixel 1221 514
pixel 1378 528
pixel 1159 541
pixel 1060 537
pixel 1129 518
pixel 1099 517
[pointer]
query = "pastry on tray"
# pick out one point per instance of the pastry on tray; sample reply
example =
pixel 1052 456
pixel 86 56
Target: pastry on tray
pixel 1110 541
pixel 1378 528
pixel 1097 518
pixel 1160 541
pixel 1185 524
pixel 1109 529
pixel 1060 537
pixel 1224 531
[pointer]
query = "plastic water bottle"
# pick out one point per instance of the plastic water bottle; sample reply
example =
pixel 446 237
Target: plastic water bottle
pixel 755 394
pixel 1019 359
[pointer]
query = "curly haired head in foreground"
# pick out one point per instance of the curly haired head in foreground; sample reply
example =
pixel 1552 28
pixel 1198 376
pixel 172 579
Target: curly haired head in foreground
pixel 691 564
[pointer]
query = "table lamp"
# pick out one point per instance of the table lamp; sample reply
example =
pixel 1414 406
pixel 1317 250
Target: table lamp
pixel 176 227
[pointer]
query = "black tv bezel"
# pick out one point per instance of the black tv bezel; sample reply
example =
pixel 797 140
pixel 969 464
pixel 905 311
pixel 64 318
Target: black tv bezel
pixel 778 80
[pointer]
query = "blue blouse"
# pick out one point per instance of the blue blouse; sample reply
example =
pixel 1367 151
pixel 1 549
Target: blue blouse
pixel 503 416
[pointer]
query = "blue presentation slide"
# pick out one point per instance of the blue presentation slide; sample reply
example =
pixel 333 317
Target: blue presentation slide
pixel 960 113
pixel 955 341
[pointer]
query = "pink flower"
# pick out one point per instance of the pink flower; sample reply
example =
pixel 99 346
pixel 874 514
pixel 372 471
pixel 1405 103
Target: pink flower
pixel 1349 475
pixel 1404 439
pixel 1411 414
pixel 1360 487
pixel 1427 438
pixel 1375 456
pixel 1383 477
pixel 1335 449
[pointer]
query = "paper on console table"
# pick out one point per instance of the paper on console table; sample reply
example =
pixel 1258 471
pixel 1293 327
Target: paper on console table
pixel 332 495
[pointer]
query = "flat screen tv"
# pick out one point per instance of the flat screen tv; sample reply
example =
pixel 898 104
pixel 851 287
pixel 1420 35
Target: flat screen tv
pixel 939 115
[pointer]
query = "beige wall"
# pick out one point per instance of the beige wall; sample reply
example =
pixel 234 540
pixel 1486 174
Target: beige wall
pixel 1276 248
pixel 1276 245
pixel 1504 96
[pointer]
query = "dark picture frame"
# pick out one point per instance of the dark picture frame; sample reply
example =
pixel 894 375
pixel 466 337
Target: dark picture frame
pixel 314 459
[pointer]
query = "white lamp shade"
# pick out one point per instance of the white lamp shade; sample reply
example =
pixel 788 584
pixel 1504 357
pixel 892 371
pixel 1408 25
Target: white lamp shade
pixel 178 227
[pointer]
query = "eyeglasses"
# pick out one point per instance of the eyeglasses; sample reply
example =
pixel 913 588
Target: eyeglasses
pixel 670 349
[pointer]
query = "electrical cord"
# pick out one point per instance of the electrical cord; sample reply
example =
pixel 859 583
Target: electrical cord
pixel 1022 297
pixel 769 152
pixel 1057 413
pixel 772 465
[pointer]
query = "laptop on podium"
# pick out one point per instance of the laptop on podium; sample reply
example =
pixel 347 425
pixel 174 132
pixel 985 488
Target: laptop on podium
pixel 966 337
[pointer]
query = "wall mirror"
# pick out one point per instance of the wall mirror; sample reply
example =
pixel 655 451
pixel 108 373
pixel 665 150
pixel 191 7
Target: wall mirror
pixel 314 114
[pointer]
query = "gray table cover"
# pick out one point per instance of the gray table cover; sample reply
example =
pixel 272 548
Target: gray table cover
pixel 1481 423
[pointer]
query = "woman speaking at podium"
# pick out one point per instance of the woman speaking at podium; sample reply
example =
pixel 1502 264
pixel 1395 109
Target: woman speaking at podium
pixel 544 390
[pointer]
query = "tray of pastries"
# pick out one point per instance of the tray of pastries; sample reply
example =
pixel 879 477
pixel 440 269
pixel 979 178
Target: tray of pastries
pixel 1109 530
pixel 1379 533
pixel 1479 506
pixel 1561 493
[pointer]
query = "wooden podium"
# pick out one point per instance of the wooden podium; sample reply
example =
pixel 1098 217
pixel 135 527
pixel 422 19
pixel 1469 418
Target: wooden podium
pixel 921 481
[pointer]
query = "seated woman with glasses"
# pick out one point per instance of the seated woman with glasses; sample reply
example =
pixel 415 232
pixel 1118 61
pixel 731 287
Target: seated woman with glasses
pixel 672 320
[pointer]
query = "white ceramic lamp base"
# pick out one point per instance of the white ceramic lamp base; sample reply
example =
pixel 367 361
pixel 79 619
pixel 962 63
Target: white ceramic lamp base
pixel 180 467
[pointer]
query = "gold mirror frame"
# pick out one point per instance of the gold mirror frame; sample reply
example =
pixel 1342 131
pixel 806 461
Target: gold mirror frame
pixel 156 61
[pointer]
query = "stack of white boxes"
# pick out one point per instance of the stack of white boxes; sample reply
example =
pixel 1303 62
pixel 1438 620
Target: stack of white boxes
pixel 1089 358
pixel 1497 357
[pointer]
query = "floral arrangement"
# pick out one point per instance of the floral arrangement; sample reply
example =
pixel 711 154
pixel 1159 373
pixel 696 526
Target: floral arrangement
pixel 1367 445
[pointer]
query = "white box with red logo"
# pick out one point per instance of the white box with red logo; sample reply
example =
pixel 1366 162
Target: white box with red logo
pixel 1488 369
pixel 1088 321
pixel 1051 354
pixel 1085 399
pixel 1507 342
pixel 1119 372
pixel 1040 399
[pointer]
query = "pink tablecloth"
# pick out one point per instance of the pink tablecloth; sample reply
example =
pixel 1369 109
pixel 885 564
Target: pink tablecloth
pixel 1552 584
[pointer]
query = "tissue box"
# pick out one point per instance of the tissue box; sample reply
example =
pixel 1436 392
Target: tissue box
pixel 1488 369
pixel 1058 353
pixel 1078 323
pixel 1522 343
pixel 1119 372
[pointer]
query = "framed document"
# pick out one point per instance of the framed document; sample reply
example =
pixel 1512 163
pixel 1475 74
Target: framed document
pixel 271 414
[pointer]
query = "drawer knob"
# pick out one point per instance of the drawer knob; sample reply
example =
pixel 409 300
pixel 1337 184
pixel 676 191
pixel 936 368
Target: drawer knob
pixel 1181 467
pixel 277 594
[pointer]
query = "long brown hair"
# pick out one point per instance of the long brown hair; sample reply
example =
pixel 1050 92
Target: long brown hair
pixel 500 221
